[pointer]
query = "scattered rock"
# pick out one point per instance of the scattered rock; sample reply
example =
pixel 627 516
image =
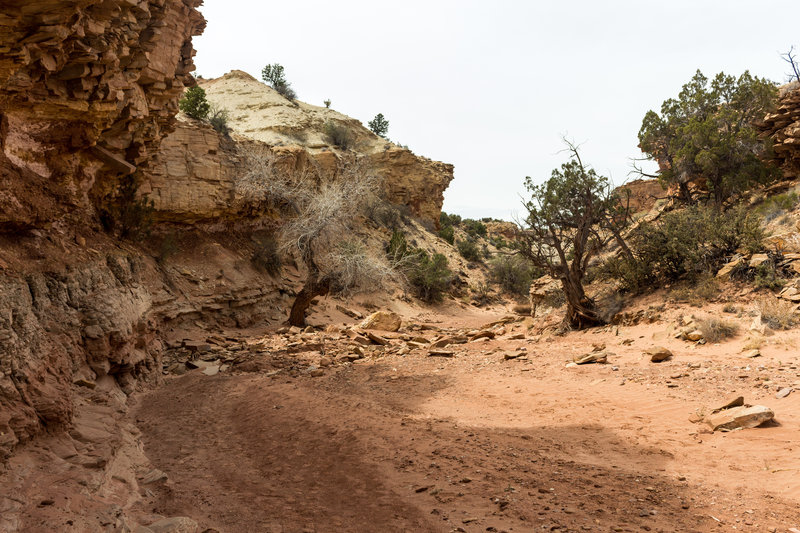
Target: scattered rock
pixel 593 357
pixel 695 335
pixel 658 354
pixel 211 370
pixel 732 401
pixel 153 476
pixel 441 352
pixel 85 383
pixel 726 270
pixel 758 259
pixel 177 524
pixel 377 339
pixel 783 393
pixel 325 362
pixel 383 321
pixel 752 353
pixel 739 417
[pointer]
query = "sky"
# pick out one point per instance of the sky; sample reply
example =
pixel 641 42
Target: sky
pixel 494 87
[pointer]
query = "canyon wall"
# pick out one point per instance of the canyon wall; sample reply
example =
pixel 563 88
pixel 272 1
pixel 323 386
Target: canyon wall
pixel 88 88
pixel 783 128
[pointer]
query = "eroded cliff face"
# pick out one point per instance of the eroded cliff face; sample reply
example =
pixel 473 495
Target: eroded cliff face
pixel 88 88
pixel 259 113
pixel 783 128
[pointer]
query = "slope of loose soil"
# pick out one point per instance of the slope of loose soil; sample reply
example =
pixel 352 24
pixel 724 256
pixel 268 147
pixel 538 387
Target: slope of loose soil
pixel 475 442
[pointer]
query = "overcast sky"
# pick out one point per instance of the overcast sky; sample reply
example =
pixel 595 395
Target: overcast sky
pixel 491 87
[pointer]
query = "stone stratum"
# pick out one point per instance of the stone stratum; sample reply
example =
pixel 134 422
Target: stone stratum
pixel 783 128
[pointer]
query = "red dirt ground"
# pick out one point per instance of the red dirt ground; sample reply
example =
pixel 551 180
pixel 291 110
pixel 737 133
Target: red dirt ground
pixel 475 443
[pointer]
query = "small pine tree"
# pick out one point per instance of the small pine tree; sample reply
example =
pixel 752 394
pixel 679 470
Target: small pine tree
pixel 327 103
pixel 379 125
pixel 273 75
pixel 194 103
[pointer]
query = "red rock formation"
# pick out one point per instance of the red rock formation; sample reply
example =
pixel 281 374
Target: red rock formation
pixel 783 128
pixel 88 88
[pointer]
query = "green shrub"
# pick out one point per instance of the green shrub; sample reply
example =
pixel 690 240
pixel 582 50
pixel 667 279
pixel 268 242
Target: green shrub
pixel 430 277
pixel 469 250
pixel 481 293
pixel 683 245
pixel 448 234
pixel 340 135
pixel 273 75
pixel 266 255
pixel 327 103
pixel 766 276
pixel 379 125
pixel 777 205
pixel 194 103
pixel 132 214
pixel 474 228
pixel 167 248
pixel 446 220
pixel 398 248
pixel 513 273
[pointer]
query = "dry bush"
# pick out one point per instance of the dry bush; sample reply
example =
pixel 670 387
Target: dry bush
pixel 355 269
pixel 264 182
pixel 776 313
pixel 717 329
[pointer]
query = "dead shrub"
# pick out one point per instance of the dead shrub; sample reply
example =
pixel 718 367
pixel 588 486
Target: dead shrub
pixel 717 329
pixel 776 313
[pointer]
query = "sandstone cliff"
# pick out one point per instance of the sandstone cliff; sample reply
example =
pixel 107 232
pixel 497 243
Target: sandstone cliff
pixel 88 88
pixel 260 113
pixel 783 128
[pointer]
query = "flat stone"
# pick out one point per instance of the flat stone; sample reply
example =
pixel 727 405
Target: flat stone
pixel 593 357
pixel 732 401
pixel 441 352
pixel 752 353
pixel 176 524
pixel 154 476
pixel 85 383
pixel 758 260
pixel 658 354
pixel 211 370
pixel 740 418
pixel 377 339
pixel 695 335
pixel 783 393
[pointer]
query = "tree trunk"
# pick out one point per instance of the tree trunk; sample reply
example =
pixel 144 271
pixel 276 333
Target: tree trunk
pixel 581 310
pixel 313 288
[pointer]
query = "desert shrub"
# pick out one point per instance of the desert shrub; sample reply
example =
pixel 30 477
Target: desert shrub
pixel 766 276
pixel 218 118
pixel 429 276
pixel 499 242
pixel 387 215
pixel 684 245
pixel 469 250
pixel 698 291
pixel 777 205
pixel 474 228
pixel 448 234
pixel 398 248
pixel 717 329
pixel 513 273
pixel 554 299
pixel 481 293
pixel 355 269
pixel 449 220
pixel 776 313
pixel 274 76
pixel 327 103
pixel 730 308
pixel 131 214
pixel 266 255
pixel 167 248
pixel 340 135
pixel 194 103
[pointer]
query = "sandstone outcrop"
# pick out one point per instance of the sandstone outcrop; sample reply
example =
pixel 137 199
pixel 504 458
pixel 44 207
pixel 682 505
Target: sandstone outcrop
pixel 783 128
pixel 88 89
pixel 258 112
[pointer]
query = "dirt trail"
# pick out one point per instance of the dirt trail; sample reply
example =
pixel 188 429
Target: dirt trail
pixel 473 443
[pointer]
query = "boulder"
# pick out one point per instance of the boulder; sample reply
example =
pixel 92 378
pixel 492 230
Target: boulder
pixel 740 417
pixel 658 354
pixel 383 321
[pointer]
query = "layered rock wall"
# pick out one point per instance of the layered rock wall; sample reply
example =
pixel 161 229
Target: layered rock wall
pixel 88 88
pixel 783 128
